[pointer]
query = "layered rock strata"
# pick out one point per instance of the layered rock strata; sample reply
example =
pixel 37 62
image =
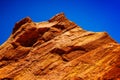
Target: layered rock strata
pixel 58 49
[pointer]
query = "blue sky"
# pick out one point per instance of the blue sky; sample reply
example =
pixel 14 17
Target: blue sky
pixel 92 15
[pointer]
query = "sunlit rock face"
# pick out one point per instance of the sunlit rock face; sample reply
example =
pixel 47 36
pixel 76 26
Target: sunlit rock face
pixel 58 49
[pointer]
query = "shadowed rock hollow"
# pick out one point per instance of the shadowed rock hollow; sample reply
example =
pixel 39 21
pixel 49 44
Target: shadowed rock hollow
pixel 58 49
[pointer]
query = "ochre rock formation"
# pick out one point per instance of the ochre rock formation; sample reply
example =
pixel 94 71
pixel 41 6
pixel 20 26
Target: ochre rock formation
pixel 58 49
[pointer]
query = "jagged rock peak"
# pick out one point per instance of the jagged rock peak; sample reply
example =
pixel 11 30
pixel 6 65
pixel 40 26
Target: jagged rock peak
pixel 58 17
pixel 20 23
pixel 58 49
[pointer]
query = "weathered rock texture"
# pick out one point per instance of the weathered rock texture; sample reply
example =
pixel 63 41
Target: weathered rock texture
pixel 58 49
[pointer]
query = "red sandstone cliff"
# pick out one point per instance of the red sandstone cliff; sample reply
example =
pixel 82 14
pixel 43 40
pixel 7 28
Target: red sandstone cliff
pixel 58 49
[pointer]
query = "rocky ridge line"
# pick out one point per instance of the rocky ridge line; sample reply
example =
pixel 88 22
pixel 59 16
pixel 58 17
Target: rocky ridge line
pixel 58 49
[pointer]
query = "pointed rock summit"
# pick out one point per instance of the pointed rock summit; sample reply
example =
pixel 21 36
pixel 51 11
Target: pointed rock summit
pixel 58 49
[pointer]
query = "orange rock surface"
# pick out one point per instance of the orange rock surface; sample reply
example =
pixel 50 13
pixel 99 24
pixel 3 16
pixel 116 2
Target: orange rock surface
pixel 58 49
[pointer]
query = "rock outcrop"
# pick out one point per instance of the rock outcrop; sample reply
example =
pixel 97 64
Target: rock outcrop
pixel 58 49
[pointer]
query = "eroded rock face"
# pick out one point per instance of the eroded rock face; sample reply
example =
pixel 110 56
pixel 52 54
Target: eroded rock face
pixel 58 49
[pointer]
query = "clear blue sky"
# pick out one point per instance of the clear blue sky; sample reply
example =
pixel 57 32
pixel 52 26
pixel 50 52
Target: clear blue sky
pixel 92 15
